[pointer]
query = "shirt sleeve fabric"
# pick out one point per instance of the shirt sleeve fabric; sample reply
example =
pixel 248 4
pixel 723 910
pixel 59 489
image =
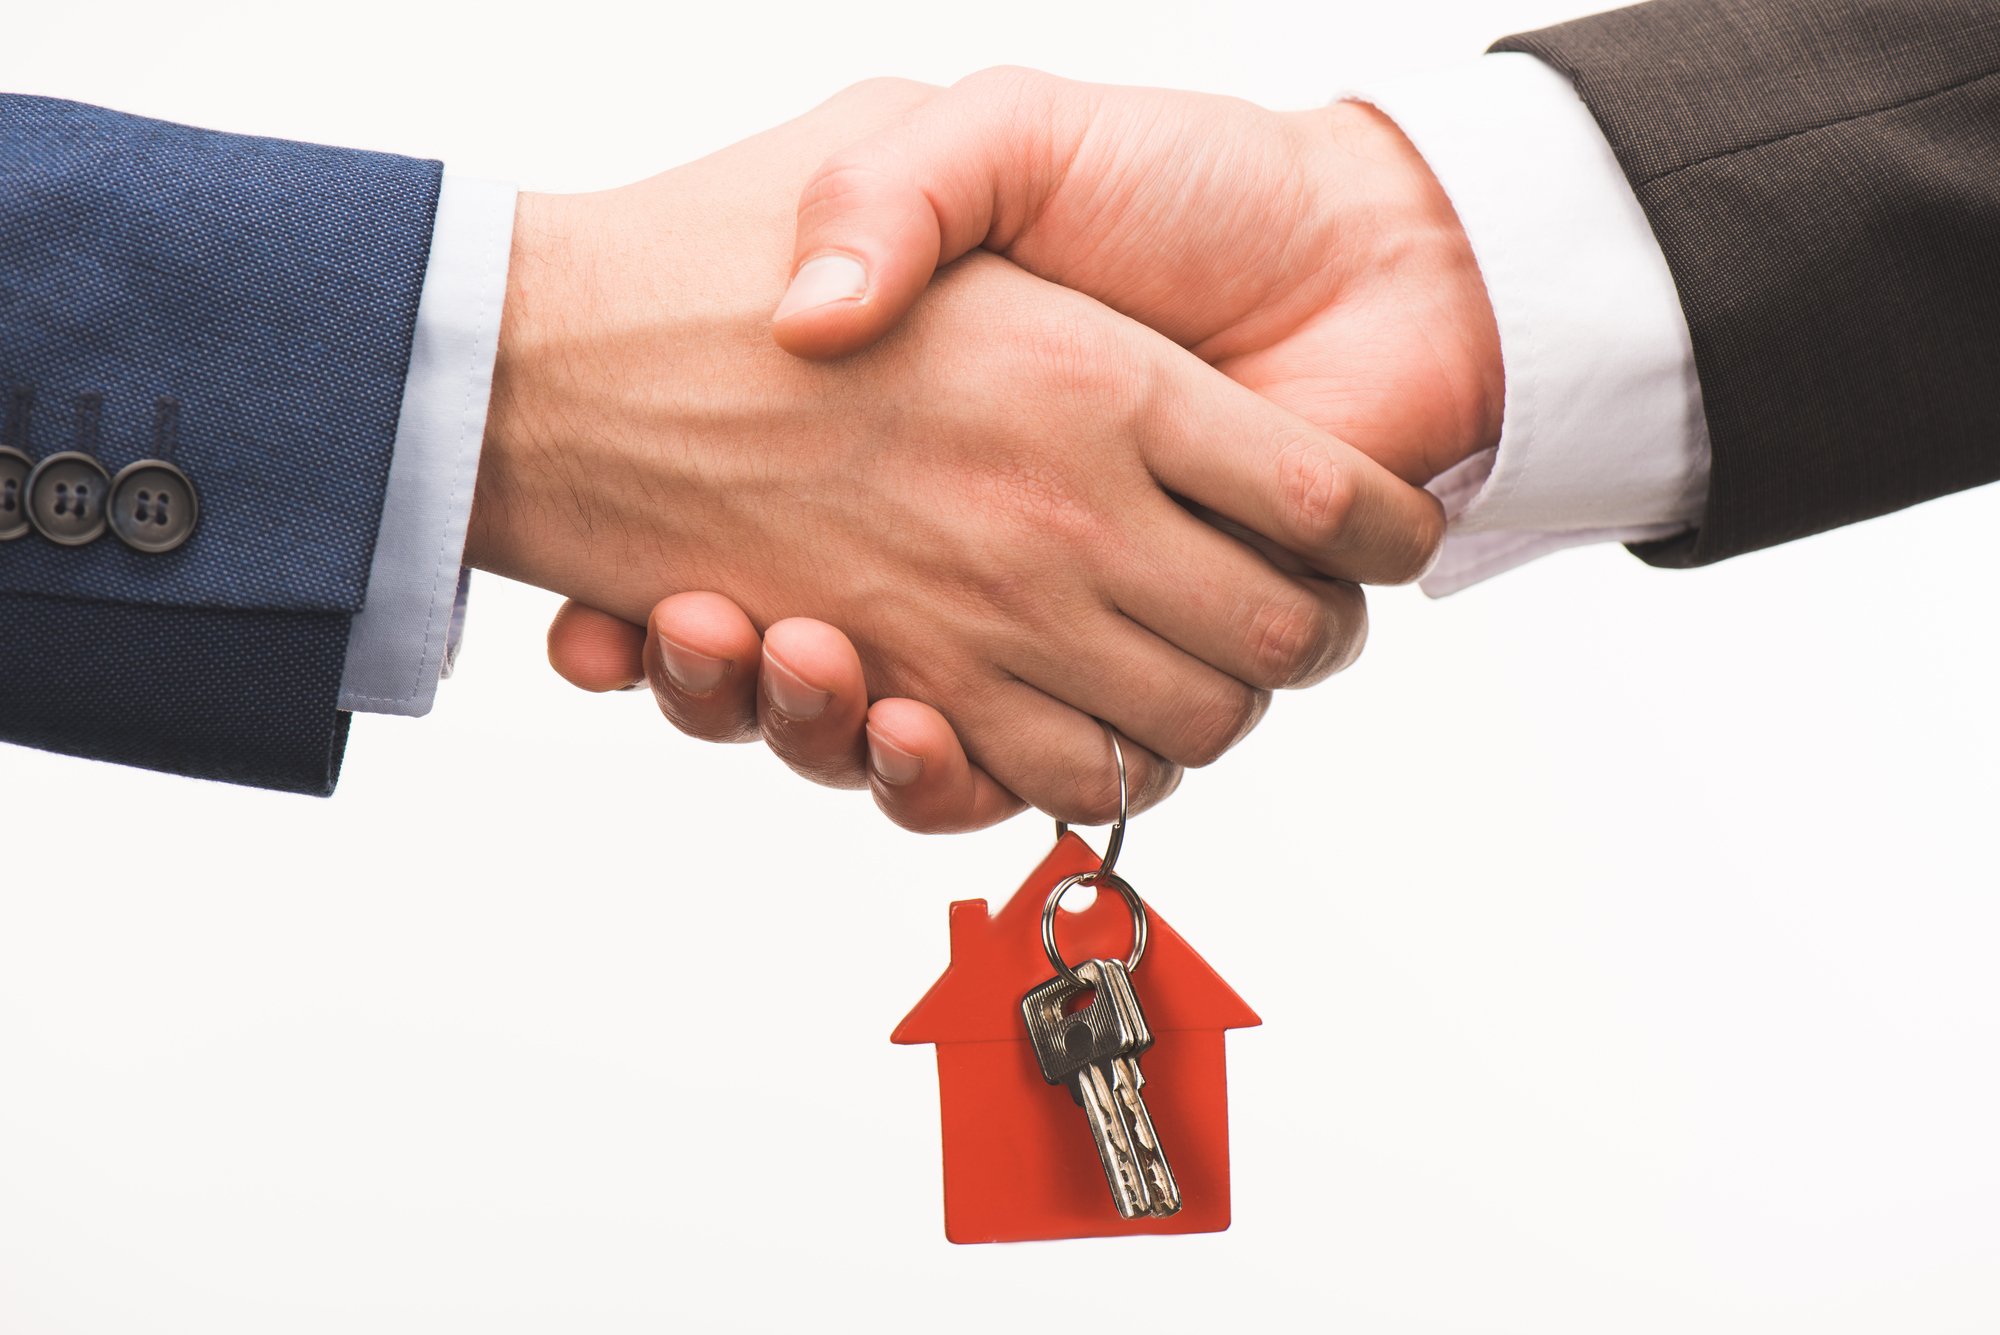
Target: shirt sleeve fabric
pixel 1603 437
pixel 407 632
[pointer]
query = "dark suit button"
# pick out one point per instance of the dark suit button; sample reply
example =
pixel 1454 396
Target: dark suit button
pixel 153 506
pixel 66 495
pixel 14 470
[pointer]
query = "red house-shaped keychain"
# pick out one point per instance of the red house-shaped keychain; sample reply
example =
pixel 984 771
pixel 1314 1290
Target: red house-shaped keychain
pixel 1019 1162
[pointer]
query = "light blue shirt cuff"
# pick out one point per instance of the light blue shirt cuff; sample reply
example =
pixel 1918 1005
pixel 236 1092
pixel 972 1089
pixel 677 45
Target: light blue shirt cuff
pixel 403 639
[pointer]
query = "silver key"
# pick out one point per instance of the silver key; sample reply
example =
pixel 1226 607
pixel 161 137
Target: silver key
pixel 1095 1053
pixel 1127 1081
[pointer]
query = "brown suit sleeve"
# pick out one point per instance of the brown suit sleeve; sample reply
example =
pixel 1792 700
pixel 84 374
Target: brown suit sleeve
pixel 1824 179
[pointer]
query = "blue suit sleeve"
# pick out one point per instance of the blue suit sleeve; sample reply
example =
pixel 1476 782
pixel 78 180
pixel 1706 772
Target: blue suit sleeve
pixel 265 291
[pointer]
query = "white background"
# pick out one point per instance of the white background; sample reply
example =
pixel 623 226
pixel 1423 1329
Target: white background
pixel 1625 938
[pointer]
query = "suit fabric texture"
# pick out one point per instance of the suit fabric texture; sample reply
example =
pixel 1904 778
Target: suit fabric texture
pixel 268 290
pixel 1824 179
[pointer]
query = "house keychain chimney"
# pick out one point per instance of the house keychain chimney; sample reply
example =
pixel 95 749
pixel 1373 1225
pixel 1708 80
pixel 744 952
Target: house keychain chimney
pixel 1021 1156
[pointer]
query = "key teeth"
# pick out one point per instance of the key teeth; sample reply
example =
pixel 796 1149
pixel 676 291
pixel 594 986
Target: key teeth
pixel 1112 1136
pixel 1157 1176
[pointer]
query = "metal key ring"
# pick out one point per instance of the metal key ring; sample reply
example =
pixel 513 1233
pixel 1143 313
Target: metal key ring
pixel 1117 839
pixel 1125 892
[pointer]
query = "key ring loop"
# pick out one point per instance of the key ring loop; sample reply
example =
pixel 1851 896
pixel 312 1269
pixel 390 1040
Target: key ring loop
pixel 1117 839
pixel 1125 892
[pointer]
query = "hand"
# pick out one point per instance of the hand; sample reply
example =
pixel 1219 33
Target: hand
pixel 981 501
pixel 1311 256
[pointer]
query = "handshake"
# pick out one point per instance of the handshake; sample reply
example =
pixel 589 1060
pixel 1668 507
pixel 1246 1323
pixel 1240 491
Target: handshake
pixel 978 416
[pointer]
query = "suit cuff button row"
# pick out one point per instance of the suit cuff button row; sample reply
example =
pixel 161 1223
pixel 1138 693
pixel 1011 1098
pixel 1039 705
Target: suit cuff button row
pixel 70 499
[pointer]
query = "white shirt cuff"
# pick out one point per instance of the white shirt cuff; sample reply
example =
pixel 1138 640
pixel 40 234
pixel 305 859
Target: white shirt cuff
pixel 1602 437
pixel 403 639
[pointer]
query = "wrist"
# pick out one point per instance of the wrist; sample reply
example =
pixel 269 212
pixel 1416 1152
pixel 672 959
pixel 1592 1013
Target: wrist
pixel 485 536
pixel 518 449
pixel 634 390
pixel 1402 238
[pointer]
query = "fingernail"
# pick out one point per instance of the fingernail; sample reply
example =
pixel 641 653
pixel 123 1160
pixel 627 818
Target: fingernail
pixel 895 765
pixel 822 282
pixel 790 696
pixel 697 674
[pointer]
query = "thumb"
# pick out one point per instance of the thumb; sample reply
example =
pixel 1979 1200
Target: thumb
pixel 971 167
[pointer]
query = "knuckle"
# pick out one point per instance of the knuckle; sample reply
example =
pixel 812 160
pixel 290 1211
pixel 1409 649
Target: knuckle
pixel 847 175
pixel 1044 522
pixel 1352 621
pixel 1161 779
pixel 1216 724
pixel 1004 79
pixel 1290 638
pixel 1005 589
pixel 883 86
pixel 1096 806
pixel 1091 798
pixel 1068 529
pixel 1315 489
pixel 1072 357
pixel 885 93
